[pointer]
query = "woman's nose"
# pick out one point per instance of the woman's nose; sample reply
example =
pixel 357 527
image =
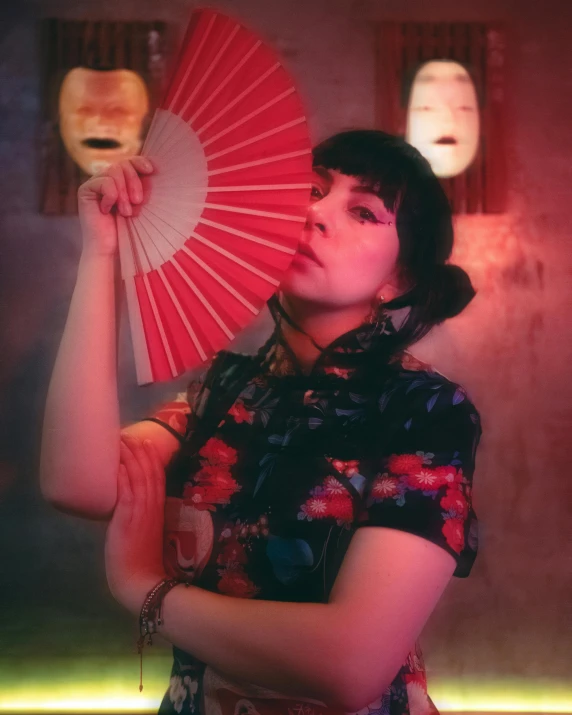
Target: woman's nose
pixel 316 219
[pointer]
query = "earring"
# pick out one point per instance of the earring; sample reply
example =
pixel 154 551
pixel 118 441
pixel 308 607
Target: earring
pixel 374 318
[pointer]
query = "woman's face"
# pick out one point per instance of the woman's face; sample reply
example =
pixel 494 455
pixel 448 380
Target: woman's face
pixel 348 252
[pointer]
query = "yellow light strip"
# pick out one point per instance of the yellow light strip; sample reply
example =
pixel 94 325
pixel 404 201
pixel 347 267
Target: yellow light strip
pixel 116 705
pixel 502 695
pixel 120 694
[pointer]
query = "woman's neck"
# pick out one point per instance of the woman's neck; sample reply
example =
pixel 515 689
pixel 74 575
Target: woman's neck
pixel 322 325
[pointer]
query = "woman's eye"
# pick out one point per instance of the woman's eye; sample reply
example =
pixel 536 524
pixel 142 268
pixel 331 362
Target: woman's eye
pixel 363 214
pixel 316 193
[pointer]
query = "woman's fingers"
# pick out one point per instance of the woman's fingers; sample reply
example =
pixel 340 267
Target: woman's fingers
pixel 133 182
pixel 117 173
pixel 145 472
pixel 131 456
pixel 133 188
pixel 142 164
pixel 119 184
pixel 110 194
pixel 158 477
pixel 101 186
pixel 124 496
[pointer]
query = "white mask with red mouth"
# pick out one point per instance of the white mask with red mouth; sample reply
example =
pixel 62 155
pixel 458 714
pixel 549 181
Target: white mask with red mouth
pixel 443 117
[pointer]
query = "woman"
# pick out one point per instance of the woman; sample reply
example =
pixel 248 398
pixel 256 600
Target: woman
pixel 325 481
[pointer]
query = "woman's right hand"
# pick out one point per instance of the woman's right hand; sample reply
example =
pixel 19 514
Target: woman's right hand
pixel 117 187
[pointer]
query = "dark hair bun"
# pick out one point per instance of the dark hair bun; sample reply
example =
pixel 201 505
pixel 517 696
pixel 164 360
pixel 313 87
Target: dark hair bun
pixel 451 291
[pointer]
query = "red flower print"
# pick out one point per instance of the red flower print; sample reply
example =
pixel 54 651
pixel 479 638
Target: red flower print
pixel 349 468
pixel 240 414
pixel 405 463
pixel 424 479
pixel 215 475
pixel 218 495
pixel 235 582
pixel 332 486
pixel 416 665
pixel 352 468
pixel 448 475
pixel 340 506
pixel 197 497
pixel 215 486
pixel 418 675
pixel 453 529
pixel 217 452
pixel 384 487
pixel 310 398
pixel 232 553
pixel 316 507
pixel 338 371
pixel 455 501
pixel 227 531
pixel 331 499
pixel 175 415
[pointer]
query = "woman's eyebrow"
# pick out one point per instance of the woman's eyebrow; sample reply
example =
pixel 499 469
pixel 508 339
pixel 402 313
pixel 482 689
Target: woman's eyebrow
pixel 361 189
pixel 322 173
pixel 364 189
pixel 371 191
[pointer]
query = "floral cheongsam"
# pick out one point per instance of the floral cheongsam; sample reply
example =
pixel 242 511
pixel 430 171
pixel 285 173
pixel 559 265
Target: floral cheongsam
pixel 265 507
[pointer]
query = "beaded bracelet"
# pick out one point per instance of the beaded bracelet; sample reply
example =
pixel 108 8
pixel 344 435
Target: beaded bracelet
pixel 151 617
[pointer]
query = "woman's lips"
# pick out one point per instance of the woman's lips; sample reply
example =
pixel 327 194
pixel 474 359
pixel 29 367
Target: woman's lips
pixel 305 253
pixel 301 260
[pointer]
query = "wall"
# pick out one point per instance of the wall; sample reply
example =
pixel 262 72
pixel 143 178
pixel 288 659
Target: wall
pixel 511 347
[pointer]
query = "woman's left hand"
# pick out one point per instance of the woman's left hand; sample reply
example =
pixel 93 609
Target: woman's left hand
pixel 134 539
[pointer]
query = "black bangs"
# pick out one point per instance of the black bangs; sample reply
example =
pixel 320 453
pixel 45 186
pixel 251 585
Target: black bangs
pixel 373 156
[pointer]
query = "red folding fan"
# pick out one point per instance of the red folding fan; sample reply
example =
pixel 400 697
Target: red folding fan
pixel 226 204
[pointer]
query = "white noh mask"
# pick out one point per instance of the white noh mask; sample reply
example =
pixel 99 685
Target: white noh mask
pixel 101 116
pixel 443 117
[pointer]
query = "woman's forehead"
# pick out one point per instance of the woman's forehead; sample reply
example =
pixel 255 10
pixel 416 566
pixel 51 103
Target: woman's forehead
pixel 334 175
pixel 359 184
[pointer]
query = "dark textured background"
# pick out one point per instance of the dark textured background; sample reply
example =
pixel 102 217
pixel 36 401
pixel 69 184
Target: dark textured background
pixel 509 623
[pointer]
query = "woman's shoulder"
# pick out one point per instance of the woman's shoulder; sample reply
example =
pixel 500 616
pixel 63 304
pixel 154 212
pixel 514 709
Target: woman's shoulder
pixel 419 383
pixel 223 365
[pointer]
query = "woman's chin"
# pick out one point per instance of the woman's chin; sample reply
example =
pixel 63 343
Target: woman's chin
pixel 298 286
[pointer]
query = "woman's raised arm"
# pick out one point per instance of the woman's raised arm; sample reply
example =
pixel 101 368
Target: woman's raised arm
pixel 81 433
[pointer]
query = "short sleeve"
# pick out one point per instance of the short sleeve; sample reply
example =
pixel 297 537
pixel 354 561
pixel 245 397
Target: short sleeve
pixel 424 486
pixel 174 415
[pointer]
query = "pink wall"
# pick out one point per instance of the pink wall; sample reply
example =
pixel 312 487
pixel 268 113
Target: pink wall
pixel 512 348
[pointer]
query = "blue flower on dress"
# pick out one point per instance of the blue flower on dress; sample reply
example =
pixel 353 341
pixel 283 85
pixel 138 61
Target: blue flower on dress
pixel 287 557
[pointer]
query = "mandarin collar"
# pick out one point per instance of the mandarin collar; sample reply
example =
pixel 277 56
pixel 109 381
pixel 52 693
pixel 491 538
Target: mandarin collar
pixel 345 358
